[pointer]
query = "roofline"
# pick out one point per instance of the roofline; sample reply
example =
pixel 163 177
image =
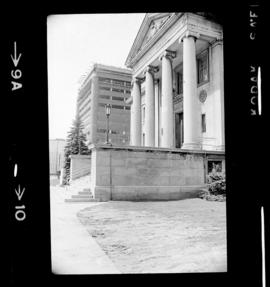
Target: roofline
pixel 100 67
pixel 145 20
pixel 137 36
pixel 148 17
pixel 113 68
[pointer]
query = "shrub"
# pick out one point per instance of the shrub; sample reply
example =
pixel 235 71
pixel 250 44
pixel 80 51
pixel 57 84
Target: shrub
pixel 217 183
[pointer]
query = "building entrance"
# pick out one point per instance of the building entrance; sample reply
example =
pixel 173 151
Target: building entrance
pixel 179 130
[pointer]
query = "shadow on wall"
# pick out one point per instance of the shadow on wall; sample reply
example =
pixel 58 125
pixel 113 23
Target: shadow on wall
pixel 80 165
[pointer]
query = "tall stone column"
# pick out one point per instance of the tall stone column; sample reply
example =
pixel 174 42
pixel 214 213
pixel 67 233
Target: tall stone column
pixel 218 85
pixel 157 113
pixel 135 119
pixel 191 105
pixel 167 139
pixel 150 106
pixel 131 122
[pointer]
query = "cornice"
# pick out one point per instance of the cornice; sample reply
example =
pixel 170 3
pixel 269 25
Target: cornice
pixel 195 25
pixel 157 50
pixel 151 69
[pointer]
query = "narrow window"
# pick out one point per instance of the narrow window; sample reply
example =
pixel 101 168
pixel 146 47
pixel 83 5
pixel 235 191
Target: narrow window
pixel 179 83
pixel 203 123
pixel 203 68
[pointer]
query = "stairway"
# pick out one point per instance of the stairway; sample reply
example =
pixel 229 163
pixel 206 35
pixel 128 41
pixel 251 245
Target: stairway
pixel 83 196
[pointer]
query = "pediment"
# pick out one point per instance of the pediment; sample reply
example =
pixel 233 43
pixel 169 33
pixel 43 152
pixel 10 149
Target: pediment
pixel 152 23
pixel 153 28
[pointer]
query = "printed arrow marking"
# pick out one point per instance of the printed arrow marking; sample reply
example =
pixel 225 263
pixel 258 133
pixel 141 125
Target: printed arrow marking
pixel 15 60
pixel 19 192
pixel 15 169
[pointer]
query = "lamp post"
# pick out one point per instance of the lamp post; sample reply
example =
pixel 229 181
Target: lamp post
pixel 108 112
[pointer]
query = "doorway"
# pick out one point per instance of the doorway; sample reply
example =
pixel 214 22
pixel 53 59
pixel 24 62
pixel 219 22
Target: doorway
pixel 179 130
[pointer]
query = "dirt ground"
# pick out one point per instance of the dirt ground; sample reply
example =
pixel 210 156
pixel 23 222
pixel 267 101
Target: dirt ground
pixel 160 237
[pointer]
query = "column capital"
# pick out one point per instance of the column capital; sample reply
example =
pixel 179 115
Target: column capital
pixel 187 34
pixel 168 54
pixel 151 69
pixel 156 81
pixel 136 80
pixel 219 41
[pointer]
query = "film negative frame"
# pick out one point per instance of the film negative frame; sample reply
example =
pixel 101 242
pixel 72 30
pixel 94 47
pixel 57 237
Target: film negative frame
pixel 28 203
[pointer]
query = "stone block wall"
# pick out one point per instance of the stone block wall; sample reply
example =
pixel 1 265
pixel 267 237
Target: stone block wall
pixel 80 165
pixel 132 173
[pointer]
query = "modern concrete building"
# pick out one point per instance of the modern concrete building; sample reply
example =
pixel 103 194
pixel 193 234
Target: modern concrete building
pixel 177 98
pixel 105 85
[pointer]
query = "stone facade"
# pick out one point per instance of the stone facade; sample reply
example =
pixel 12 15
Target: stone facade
pixel 80 165
pixel 177 100
pixel 138 173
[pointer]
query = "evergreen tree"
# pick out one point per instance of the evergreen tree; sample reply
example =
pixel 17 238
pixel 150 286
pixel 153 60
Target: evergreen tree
pixel 75 144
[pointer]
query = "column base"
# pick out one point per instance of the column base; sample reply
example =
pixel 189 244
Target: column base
pixel 220 148
pixel 164 145
pixel 192 146
pixel 213 148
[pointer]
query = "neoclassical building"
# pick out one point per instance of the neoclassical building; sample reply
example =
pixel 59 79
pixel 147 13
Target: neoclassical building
pixel 176 114
pixel 177 98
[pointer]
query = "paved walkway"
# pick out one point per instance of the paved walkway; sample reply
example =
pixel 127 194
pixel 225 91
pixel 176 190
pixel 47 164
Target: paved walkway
pixel 74 251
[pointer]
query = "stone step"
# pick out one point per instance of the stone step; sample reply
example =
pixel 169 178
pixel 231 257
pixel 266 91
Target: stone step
pixel 84 192
pixel 80 200
pixel 87 189
pixel 89 195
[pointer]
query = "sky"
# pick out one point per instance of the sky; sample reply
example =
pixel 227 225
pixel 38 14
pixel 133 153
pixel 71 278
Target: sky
pixel 74 43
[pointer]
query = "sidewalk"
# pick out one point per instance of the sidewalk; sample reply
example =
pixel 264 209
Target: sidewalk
pixel 74 251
